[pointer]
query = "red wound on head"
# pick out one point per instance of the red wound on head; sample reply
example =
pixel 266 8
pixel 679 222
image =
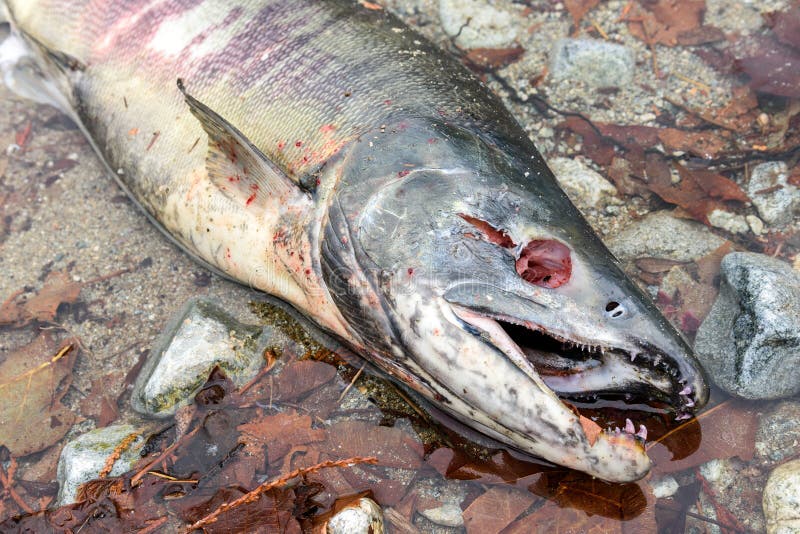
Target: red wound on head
pixel 492 234
pixel 545 263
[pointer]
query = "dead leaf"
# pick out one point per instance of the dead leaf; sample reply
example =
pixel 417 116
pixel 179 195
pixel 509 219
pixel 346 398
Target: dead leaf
pixel 665 21
pixel 278 433
pixel 579 8
pixel 491 59
pixel 728 429
pixel 496 509
pixel 33 380
pixel 300 377
pixel 59 288
pixel 392 446
pixel 101 402
pixel 775 69
pixel 786 25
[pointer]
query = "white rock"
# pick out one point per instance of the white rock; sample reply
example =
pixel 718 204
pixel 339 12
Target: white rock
pixel 782 499
pixel 756 224
pixel 362 517
pixel 730 222
pixel 776 200
pixel 447 515
pixel 664 487
pixel 83 458
pixel 584 186
pixel 199 337
pixel 481 24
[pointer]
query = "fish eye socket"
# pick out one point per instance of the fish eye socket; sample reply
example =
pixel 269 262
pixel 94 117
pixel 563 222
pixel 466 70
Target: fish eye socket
pixel 615 310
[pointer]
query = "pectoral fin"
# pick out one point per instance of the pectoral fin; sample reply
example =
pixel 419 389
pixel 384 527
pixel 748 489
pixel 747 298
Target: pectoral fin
pixel 239 169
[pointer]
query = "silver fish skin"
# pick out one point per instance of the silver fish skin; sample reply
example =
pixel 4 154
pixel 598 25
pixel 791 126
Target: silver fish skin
pixel 325 153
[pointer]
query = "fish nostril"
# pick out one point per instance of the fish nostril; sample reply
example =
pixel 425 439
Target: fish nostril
pixel 614 309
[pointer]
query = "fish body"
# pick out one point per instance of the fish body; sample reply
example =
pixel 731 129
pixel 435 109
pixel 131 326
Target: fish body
pixel 327 154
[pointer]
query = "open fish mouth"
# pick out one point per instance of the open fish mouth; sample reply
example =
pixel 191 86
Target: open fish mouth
pixel 584 371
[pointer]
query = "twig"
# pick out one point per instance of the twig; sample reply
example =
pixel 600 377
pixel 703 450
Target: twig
pixel 271 358
pixel 253 495
pixel 152 527
pixel 699 517
pixel 350 385
pixel 688 422
pixel 146 469
pixel 7 482
pixel 700 85
pixel 118 450
pixel 597 27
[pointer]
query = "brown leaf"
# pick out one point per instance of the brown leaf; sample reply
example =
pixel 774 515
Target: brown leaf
pixel 58 289
pixel 298 378
pixel 496 509
pixel 774 70
pixel 698 192
pixel 728 430
pixel 101 402
pixel 786 25
pixel 392 446
pixel 279 433
pixel 701 35
pixel 579 8
pixel 33 380
pixel 552 518
pixel 490 59
pixel 663 21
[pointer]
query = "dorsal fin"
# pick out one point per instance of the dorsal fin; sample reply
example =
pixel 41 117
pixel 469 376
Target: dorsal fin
pixel 239 169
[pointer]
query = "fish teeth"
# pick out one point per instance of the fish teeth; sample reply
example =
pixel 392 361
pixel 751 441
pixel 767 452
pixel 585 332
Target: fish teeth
pixel 629 428
pixel 689 403
pixel 642 433
pixel 633 356
pixel 686 391
pixel 683 417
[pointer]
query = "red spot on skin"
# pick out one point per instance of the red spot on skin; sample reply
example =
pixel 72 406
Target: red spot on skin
pixel 328 128
pixel 308 272
pixel 410 271
pixel 387 102
pixel 281 144
pixel 298 144
pixel 278 236
pixel 432 141
pixel 318 181
pixel 492 234
pixel 250 199
pixel 305 159
pixel 403 174
pixel 545 263
pixel 228 253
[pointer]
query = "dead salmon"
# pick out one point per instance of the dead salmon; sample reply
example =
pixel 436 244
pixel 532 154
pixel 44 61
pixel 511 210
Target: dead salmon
pixel 325 153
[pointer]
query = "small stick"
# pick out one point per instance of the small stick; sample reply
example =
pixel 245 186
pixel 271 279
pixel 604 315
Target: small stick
pixel 253 495
pixel 118 450
pixel 353 381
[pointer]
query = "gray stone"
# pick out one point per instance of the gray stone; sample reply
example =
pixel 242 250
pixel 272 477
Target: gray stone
pixel 750 341
pixel 778 435
pixel 660 235
pixel 776 200
pixel 446 515
pixel 200 336
pixel 782 499
pixel 361 517
pixel 83 458
pixel 477 23
pixel 584 186
pixel 596 63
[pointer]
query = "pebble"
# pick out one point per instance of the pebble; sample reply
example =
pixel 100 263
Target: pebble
pixel 730 222
pixel 583 185
pixel 477 23
pixel 782 499
pixel 198 338
pixel 83 458
pixel 664 487
pixel 778 434
pixel 660 235
pixel 756 224
pixel 591 61
pixel 776 201
pixel 750 341
pixel 447 515
pixel 364 516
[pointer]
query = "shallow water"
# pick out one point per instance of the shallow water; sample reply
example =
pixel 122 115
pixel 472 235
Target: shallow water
pixel 60 213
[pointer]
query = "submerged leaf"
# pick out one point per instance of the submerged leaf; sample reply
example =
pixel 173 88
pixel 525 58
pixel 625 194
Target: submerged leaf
pixel 33 380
